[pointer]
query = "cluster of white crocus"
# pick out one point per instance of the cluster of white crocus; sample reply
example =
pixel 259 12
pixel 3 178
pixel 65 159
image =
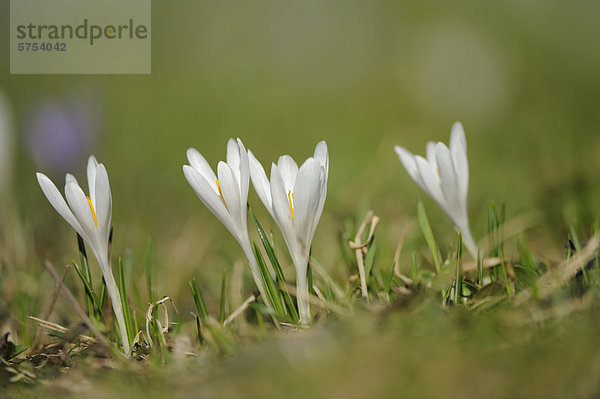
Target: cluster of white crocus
pixel 90 216
pixel 444 176
pixel 226 196
pixel 295 198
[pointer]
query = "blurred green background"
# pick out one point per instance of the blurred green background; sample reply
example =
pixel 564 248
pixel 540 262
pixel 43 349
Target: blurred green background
pixel 522 76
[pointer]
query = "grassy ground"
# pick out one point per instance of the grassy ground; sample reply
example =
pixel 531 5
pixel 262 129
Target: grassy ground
pixel 381 355
pixel 521 77
pixel 524 328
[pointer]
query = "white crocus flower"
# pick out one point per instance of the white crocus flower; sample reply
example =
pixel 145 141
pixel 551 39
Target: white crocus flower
pixel 444 176
pixel 90 216
pixel 226 196
pixel 295 198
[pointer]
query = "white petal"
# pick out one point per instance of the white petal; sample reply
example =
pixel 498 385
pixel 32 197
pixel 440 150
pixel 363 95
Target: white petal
pixel 431 181
pixel 244 179
pixel 281 206
pixel 103 205
pixel 82 211
pixel 410 164
pixel 322 196
pixel 209 198
pixel 448 178
pixel 91 177
pixel 468 238
pixel 198 162
pixel 69 178
pixel 458 149
pixel 458 140
pixel 288 170
pixel 230 189
pixel 306 199
pixel 58 202
pixel 322 154
pixel 233 159
pixel 430 151
pixel 260 182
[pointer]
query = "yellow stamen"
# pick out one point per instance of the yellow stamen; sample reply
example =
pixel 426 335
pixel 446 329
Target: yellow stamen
pixel 93 211
pixel 221 194
pixel 290 198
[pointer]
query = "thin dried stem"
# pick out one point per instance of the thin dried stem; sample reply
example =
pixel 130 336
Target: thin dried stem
pixel 59 284
pixel 557 277
pixel 48 325
pixel 69 296
pixel 361 248
pixel 239 310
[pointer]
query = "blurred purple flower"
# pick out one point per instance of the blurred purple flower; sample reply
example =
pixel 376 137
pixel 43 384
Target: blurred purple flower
pixel 62 133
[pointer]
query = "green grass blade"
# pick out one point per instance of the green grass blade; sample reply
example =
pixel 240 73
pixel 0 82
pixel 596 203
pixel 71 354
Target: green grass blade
pixel 414 265
pixel 199 330
pixel 89 291
pixel 103 294
pixel 85 268
pixel 124 301
pixel 224 303
pixel 151 295
pixel 287 298
pixel 493 229
pixel 309 276
pixel 198 299
pixel 577 243
pixel 136 326
pixel 272 290
pixel 369 260
pixel 428 234
pixel 480 267
pixel 458 276
pixel 344 249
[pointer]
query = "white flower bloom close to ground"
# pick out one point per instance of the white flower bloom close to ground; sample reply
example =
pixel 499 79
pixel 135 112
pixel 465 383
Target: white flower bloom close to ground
pixel 295 198
pixel 226 196
pixel 90 216
pixel 444 176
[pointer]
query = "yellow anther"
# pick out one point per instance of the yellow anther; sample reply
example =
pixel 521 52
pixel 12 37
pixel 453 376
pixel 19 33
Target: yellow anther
pixel 93 211
pixel 290 198
pixel 221 194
